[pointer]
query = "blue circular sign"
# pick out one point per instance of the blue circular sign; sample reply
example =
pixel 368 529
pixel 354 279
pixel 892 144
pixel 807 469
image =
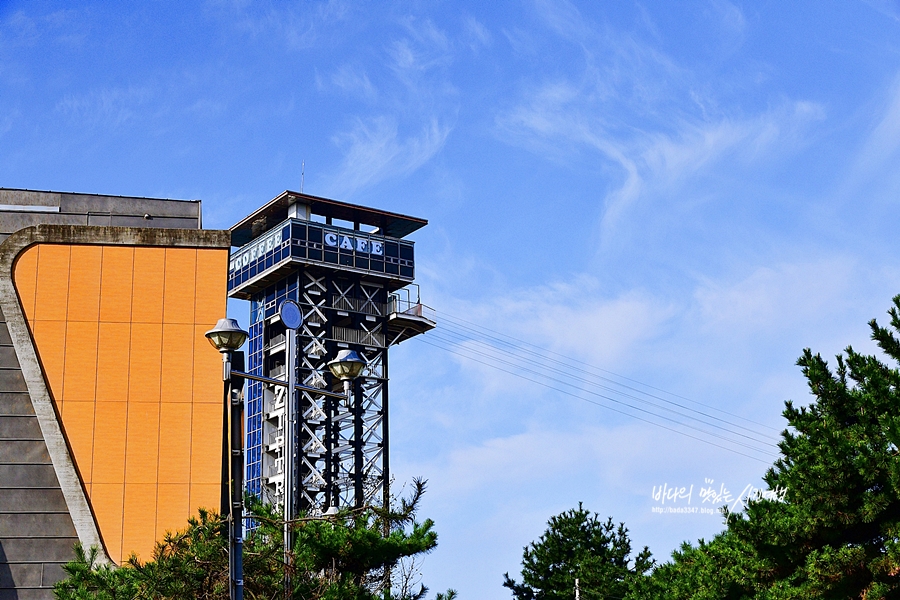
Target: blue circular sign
pixel 290 314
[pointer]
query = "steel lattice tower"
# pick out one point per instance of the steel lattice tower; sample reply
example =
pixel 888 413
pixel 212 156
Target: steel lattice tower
pixel 350 285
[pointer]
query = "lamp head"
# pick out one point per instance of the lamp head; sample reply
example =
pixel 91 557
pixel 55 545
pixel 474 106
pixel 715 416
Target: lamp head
pixel 226 336
pixel 347 365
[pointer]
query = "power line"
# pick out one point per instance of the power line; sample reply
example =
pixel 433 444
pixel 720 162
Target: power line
pixel 529 363
pixel 528 369
pixel 568 393
pixel 451 329
pixel 599 395
pixel 519 346
pixel 460 333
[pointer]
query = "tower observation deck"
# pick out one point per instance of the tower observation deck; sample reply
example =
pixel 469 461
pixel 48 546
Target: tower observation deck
pixel 347 267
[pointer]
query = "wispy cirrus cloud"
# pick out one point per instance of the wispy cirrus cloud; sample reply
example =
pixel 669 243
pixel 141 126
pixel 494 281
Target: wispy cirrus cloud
pixel 423 48
pixel 375 150
pixel 610 104
pixel 886 7
pixel 476 35
pixel 7 121
pixel 107 107
pixel 769 300
pixel 23 27
pixel 557 122
pixel 353 80
pixel 298 26
pixel 883 140
pixel 410 108
pixel 576 316
pixel 697 144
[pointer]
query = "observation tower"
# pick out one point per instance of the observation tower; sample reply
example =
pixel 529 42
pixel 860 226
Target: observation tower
pixel 351 270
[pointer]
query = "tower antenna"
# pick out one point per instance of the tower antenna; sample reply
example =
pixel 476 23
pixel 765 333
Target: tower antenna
pixel 302 174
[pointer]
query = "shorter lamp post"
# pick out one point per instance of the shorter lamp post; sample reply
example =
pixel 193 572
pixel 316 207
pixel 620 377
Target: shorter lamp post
pixel 226 337
pixel 347 366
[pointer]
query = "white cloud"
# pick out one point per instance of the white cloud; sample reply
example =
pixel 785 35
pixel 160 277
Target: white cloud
pixel 8 120
pixel 886 7
pixel 298 25
pixel 625 80
pixel 208 108
pixel 564 18
pixel 590 451
pixel 424 49
pixel 522 42
pixel 698 145
pixel 411 108
pixel 772 298
pixel 731 20
pixel 572 317
pixel 884 139
pixel 502 490
pixel 353 81
pixel 426 34
pixel 556 120
pixel 109 107
pixel 375 150
pixel 476 34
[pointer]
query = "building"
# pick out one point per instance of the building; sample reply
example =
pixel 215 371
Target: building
pixel 349 268
pixel 110 397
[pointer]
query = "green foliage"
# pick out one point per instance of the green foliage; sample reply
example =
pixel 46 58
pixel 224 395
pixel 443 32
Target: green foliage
pixel 578 545
pixel 89 579
pixel 837 533
pixel 346 557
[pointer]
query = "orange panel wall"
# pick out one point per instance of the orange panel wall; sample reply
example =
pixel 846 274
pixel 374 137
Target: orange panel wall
pixel 119 333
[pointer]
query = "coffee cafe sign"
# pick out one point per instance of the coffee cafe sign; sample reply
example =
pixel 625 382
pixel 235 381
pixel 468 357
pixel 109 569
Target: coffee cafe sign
pixel 337 241
pixel 319 243
pixel 360 244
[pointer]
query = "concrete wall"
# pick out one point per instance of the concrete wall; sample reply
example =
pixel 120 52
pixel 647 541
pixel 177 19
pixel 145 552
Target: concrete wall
pixel 26 208
pixel 70 406
pixel 36 530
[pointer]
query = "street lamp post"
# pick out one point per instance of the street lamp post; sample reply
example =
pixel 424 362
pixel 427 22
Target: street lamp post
pixel 347 366
pixel 226 337
pixel 292 317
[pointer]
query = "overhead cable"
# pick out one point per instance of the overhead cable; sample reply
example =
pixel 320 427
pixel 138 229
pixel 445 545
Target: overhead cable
pixel 472 341
pixel 448 336
pixel 541 352
pixel 612 408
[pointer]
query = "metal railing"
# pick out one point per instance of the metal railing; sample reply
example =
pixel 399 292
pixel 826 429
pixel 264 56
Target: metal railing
pixel 369 307
pixel 402 301
pixel 357 336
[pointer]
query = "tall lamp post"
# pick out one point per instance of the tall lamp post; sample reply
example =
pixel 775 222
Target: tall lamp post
pixel 226 337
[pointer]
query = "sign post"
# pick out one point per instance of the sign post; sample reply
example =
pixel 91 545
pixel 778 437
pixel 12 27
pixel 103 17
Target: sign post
pixel 292 317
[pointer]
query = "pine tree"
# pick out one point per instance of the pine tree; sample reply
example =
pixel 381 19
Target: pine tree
pixel 837 532
pixel 344 557
pixel 578 545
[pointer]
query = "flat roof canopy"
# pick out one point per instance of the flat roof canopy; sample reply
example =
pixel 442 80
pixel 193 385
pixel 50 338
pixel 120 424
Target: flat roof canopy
pixel 276 211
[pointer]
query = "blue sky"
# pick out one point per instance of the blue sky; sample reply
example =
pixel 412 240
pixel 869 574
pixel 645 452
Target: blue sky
pixel 683 195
